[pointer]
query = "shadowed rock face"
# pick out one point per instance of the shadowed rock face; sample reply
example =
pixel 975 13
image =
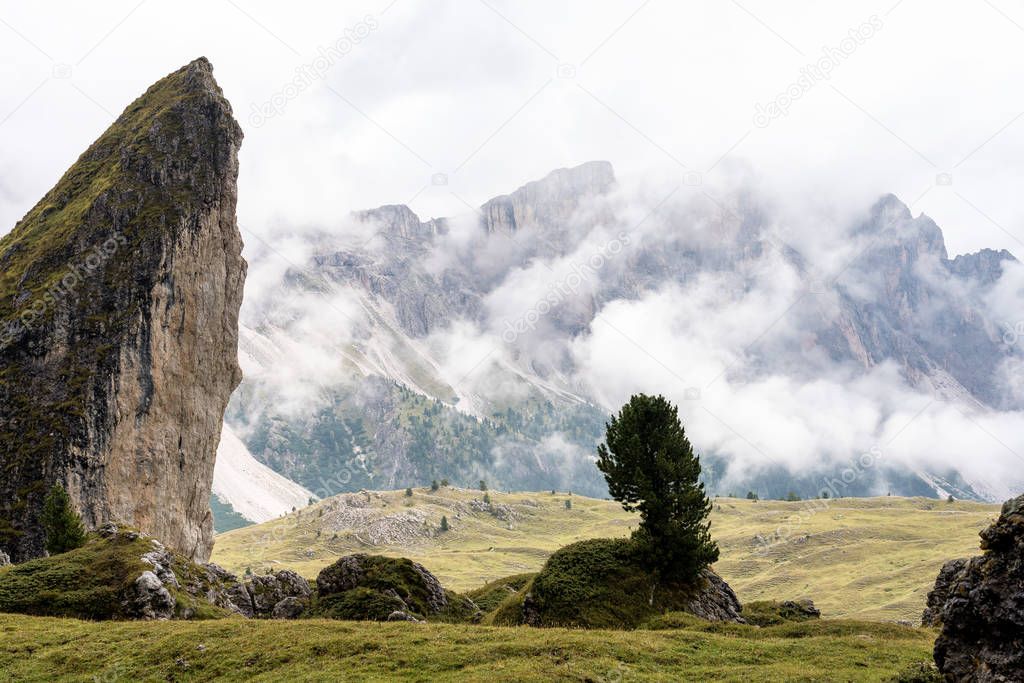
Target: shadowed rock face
pixel 119 298
pixel 982 618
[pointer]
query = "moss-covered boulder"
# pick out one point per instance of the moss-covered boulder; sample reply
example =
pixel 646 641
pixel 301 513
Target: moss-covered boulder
pixel 600 583
pixel 374 587
pixel 118 574
pixel 490 596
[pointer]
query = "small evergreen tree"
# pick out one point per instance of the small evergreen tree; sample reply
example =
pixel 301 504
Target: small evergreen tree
pixel 487 498
pixel 444 482
pixel 483 485
pixel 408 493
pixel 568 505
pixel 434 486
pixel 61 523
pixel 751 495
pixel 651 468
pixel 444 523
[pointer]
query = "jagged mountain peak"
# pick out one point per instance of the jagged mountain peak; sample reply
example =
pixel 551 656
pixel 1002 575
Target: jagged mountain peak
pixel 542 203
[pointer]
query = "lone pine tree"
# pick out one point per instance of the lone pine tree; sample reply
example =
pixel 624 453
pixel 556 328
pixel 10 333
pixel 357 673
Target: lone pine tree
pixel 61 524
pixel 651 468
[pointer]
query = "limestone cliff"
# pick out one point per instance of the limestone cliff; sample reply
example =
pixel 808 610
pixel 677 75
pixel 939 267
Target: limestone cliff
pixel 119 298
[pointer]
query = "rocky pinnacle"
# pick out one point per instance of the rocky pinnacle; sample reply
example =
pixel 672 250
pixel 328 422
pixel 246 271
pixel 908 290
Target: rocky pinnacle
pixel 119 298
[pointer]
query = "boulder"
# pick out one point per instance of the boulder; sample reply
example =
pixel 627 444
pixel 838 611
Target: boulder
pixel 603 583
pixel 148 599
pixel 399 577
pixel 268 590
pixel 714 600
pixel 982 636
pixel 289 608
pixel 5 559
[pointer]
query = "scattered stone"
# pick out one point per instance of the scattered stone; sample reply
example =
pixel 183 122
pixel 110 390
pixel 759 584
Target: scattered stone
pixel 398 615
pixel 982 637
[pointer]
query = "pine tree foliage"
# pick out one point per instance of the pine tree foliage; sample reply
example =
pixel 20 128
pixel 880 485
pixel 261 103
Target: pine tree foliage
pixel 651 468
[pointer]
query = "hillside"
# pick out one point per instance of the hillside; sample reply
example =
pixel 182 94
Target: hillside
pixel 40 649
pixel 872 558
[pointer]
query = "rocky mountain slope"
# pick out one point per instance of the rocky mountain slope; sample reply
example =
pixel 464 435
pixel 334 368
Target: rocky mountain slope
pixel 119 297
pixel 252 489
pixel 464 347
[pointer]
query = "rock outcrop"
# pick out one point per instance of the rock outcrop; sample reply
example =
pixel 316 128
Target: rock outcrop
pixel 404 579
pixel 119 298
pixel 982 637
pixel 377 588
pixel 932 615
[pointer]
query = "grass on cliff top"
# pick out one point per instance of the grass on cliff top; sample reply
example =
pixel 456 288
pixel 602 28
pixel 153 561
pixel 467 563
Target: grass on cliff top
pixel 866 558
pixel 48 649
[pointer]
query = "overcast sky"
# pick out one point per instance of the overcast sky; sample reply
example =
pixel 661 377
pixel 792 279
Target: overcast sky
pixel 922 99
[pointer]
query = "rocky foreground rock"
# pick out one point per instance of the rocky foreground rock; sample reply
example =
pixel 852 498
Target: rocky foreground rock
pixel 979 603
pixel 119 298
pixel 374 587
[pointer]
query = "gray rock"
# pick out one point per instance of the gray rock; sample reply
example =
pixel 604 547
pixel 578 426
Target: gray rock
pixel 149 599
pixel 932 615
pixel 289 608
pixel 4 559
pixel 268 590
pixel 982 636
pixel 399 615
pixel 353 571
pixel 162 561
pixel 715 600
pixel 344 575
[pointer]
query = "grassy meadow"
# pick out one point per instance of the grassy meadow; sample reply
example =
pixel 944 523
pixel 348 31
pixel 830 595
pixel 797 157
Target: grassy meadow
pixel 50 649
pixel 864 558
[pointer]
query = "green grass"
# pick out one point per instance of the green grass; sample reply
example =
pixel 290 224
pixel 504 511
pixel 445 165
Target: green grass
pixel 86 582
pixel 865 558
pixel 49 649
pixel 91 582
